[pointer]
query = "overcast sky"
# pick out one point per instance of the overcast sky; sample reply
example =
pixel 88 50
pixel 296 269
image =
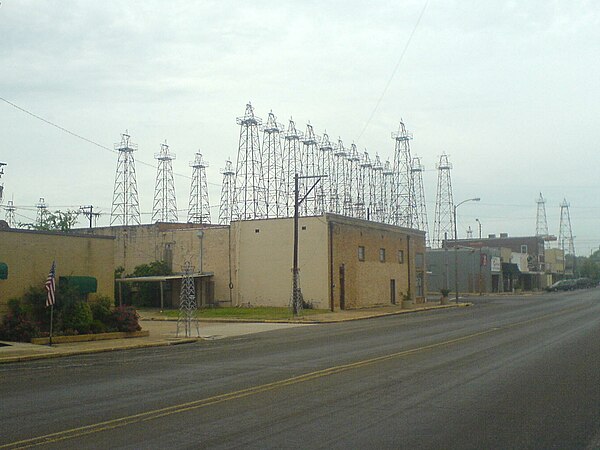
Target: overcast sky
pixel 510 90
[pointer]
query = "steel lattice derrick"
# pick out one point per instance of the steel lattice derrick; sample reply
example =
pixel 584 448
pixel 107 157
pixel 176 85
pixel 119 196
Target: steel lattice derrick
pixel 352 178
pixel 377 185
pixel 387 188
pixel 565 233
pixel 125 205
pixel 10 214
pixel 199 206
pixel 541 223
pixel 309 157
pixel 443 226
pixel 42 211
pixel 227 187
pixel 291 165
pixel 165 202
pixel 249 191
pixel 338 182
pixel 272 167
pixel 365 180
pixel 187 319
pixel 403 189
pixel 421 207
pixel 325 167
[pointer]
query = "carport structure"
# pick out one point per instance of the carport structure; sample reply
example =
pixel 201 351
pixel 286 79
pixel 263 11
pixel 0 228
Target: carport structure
pixel 202 282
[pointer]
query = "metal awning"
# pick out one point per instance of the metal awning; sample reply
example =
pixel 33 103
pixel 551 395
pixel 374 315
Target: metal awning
pixel 510 269
pixel 160 278
pixel 83 284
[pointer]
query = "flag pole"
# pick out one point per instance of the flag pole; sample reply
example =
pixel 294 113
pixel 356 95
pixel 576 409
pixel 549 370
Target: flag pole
pixel 51 322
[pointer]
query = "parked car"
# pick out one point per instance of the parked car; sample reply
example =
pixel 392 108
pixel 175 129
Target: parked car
pixel 563 285
pixel 584 283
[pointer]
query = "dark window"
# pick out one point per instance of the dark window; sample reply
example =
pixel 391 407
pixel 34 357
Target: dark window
pixel 382 254
pixel 401 256
pixel 361 253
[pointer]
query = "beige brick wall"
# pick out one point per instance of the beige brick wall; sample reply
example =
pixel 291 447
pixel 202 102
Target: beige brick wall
pixel 29 255
pixel 263 257
pixel 368 282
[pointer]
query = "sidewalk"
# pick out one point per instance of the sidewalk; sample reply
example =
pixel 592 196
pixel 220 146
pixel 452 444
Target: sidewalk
pixel 163 332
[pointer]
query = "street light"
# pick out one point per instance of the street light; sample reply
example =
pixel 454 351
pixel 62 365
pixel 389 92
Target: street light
pixel 480 246
pixel 456 246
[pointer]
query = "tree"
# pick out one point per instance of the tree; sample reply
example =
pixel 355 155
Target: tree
pixel 147 293
pixel 54 221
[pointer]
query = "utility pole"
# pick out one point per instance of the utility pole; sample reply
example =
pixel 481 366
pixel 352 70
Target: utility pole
pixel 1 185
pixel 296 299
pixel 88 211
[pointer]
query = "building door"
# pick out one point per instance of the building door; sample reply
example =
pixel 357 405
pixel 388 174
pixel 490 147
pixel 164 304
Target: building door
pixel 342 287
pixel 393 291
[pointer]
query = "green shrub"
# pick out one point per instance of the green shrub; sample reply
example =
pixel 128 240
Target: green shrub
pixel 102 309
pixel 126 318
pixel 78 317
pixel 17 325
pixel 98 327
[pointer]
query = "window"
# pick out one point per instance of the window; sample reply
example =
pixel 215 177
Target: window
pixel 523 249
pixel 382 254
pixel 361 253
pixel 401 256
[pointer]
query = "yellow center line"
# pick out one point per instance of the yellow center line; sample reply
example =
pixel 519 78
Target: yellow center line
pixel 197 404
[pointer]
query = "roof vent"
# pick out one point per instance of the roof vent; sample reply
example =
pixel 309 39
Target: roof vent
pixel 503 235
pixel 491 236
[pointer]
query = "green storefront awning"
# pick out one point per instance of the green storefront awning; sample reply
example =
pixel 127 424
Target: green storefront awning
pixel 84 285
pixel 3 271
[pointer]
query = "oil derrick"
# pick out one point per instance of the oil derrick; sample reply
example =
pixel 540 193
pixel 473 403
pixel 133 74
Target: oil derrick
pixel 541 223
pixel 125 205
pixel 199 206
pixel 187 320
pixel 291 164
pixel 565 234
pixel 421 208
pixel 385 193
pixel 272 170
pixel 443 226
pixel 10 214
pixel 1 184
pixel 309 157
pixel 403 188
pixel 42 210
pixel 376 212
pixel 226 208
pixel 165 203
pixel 325 167
pixel 363 193
pixel 249 191
pixel 352 178
pixel 338 181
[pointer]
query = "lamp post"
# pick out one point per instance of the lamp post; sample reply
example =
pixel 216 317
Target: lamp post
pixel 456 246
pixel 480 246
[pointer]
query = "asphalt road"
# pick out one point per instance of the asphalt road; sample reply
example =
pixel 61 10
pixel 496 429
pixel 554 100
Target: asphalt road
pixel 510 372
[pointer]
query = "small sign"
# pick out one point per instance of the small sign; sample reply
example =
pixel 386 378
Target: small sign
pixel 496 265
pixel 483 260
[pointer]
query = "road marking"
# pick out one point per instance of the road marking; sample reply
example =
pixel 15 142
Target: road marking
pixel 197 404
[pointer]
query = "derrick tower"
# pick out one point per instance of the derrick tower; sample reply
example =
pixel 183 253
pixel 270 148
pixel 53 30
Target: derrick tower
pixel 291 165
pixel 541 223
pixel 249 192
pixel 325 167
pixel 226 207
pixel 309 168
pixel 352 181
pixel 385 193
pixel 199 206
pixel 403 188
pixel 42 210
pixel 10 214
pixel 125 205
pixel 338 181
pixel 365 181
pixel 272 170
pixel 1 185
pixel 165 202
pixel 565 234
pixel 376 188
pixel 443 227
pixel 421 211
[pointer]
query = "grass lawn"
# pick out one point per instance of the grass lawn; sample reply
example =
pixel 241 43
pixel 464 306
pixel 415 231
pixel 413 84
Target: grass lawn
pixel 259 313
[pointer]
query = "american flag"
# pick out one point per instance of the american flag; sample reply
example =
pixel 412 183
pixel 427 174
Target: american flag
pixel 51 285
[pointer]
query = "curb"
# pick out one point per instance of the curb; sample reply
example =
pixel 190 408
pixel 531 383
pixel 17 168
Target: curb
pixel 13 359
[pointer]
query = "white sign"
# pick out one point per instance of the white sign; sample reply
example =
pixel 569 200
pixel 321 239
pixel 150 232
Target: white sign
pixel 496 266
